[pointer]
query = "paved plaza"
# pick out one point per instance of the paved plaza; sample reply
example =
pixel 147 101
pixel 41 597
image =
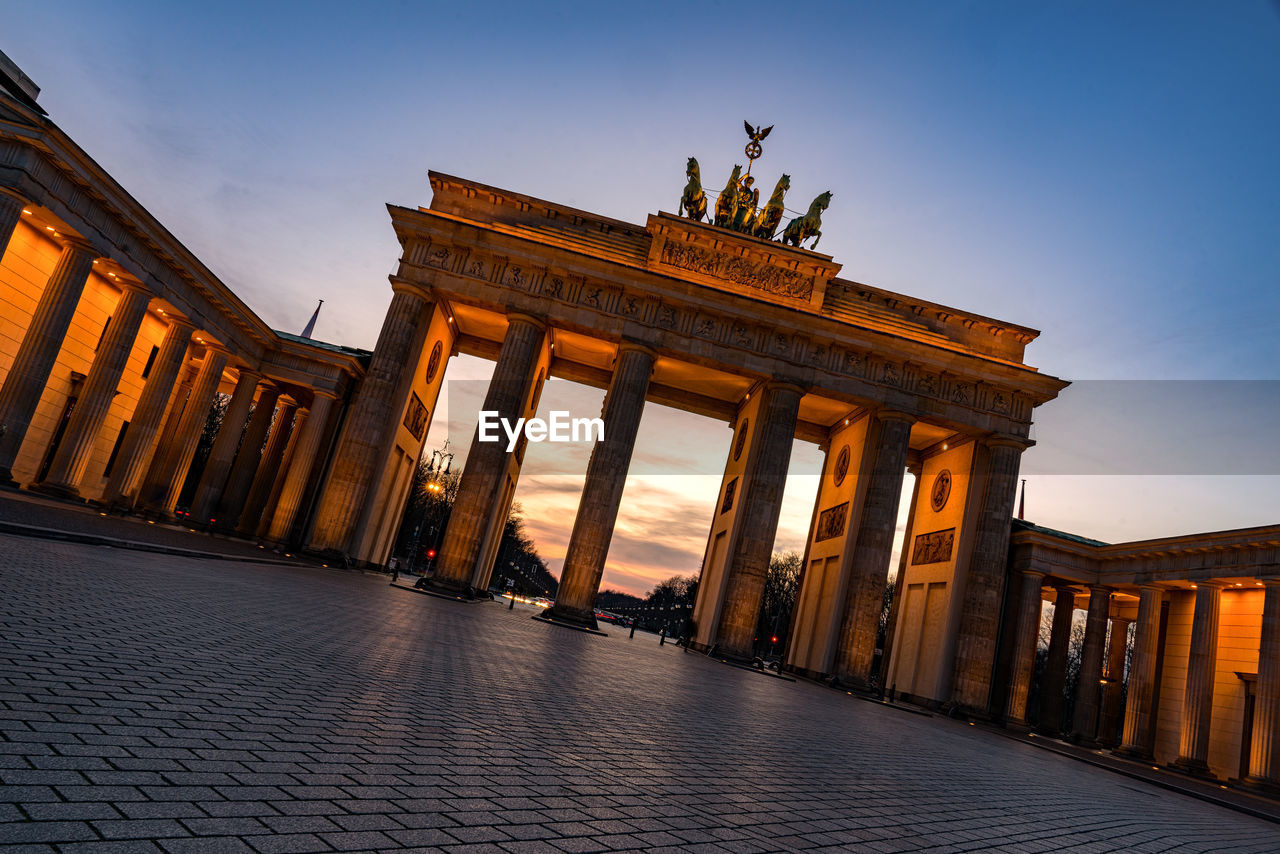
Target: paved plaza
pixel 151 702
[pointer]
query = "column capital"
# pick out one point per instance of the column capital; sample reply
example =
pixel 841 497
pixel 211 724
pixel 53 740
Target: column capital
pixel 1210 583
pixel 244 372
pixel 14 194
pixel 399 286
pixel 895 415
pixel 1101 588
pixel 521 317
pixel 131 285
pixel 1032 574
pixel 1001 440
pixel 786 385
pixel 212 346
pixel 320 392
pixel 625 345
pixel 78 243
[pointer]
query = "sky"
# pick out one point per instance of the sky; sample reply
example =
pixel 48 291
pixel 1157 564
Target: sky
pixel 1103 172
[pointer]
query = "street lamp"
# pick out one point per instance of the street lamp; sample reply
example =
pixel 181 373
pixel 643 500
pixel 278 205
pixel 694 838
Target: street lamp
pixel 437 469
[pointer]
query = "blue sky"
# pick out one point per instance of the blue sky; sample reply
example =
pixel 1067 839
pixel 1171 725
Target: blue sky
pixel 1104 172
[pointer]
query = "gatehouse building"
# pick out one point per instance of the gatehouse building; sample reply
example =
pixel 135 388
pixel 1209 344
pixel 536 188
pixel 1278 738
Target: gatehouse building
pixel 115 341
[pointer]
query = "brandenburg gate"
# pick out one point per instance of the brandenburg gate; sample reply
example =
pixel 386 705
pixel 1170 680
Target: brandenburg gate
pixel 717 321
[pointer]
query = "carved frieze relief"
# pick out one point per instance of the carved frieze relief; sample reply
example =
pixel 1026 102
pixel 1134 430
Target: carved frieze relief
pixel 765 339
pixel 734 268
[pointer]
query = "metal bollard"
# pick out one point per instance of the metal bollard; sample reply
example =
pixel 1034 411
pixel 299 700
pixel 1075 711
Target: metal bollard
pixel 633 628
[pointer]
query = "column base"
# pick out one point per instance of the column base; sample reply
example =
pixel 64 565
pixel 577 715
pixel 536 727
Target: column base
pixel 1138 753
pixel 7 481
pixel 549 616
pixel 851 684
pixel 1261 785
pixel 56 490
pixel 1081 740
pixel 450 589
pixel 570 617
pixel 1190 766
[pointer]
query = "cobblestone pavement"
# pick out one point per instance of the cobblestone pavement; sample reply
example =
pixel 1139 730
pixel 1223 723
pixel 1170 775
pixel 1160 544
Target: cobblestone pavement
pixel 153 703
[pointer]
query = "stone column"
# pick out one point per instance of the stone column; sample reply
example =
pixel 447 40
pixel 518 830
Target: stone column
pixel 175 458
pixel 1089 685
pixel 483 477
pixel 983 590
pixel 370 423
pixel 602 493
pixel 30 370
pixel 11 205
pixel 217 469
pixel 764 480
pixel 234 496
pixel 303 457
pixel 1026 639
pixel 1197 695
pixel 99 391
pixel 869 564
pixel 1139 726
pixel 139 439
pixel 278 476
pixel 1114 687
pixel 265 472
pixel 1264 750
pixel 1053 684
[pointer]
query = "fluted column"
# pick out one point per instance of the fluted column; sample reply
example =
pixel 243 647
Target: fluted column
pixel 1139 725
pixel 869 564
pixel 1026 639
pixel 1264 750
pixel 175 458
pixel 274 483
pixel 234 496
pixel 1197 695
pixel 1114 687
pixel 139 439
pixel 99 391
pixel 30 371
pixel 11 205
pixel 372 420
pixel 482 478
pixel 1089 684
pixel 217 468
pixel 983 585
pixel 602 493
pixel 763 483
pixel 303 458
pixel 1053 684
pixel 265 472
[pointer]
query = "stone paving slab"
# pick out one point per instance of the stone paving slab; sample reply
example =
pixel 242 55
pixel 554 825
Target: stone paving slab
pixel 162 704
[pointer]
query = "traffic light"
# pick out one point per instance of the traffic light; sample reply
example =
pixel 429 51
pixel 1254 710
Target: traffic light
pixel 431 553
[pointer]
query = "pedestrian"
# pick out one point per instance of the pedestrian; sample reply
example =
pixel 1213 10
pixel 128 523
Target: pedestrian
pixel 394 563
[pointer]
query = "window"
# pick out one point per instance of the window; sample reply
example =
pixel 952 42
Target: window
pixel 115 449
pixel 151 360
pixel 102 335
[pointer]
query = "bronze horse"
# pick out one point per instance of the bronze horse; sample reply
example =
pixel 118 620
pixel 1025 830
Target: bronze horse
pixel 727 204
pixel 809 225
pixel 694 202
pixel 771 214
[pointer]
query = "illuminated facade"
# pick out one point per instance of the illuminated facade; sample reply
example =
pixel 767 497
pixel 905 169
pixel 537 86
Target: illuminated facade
pixel 114 340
